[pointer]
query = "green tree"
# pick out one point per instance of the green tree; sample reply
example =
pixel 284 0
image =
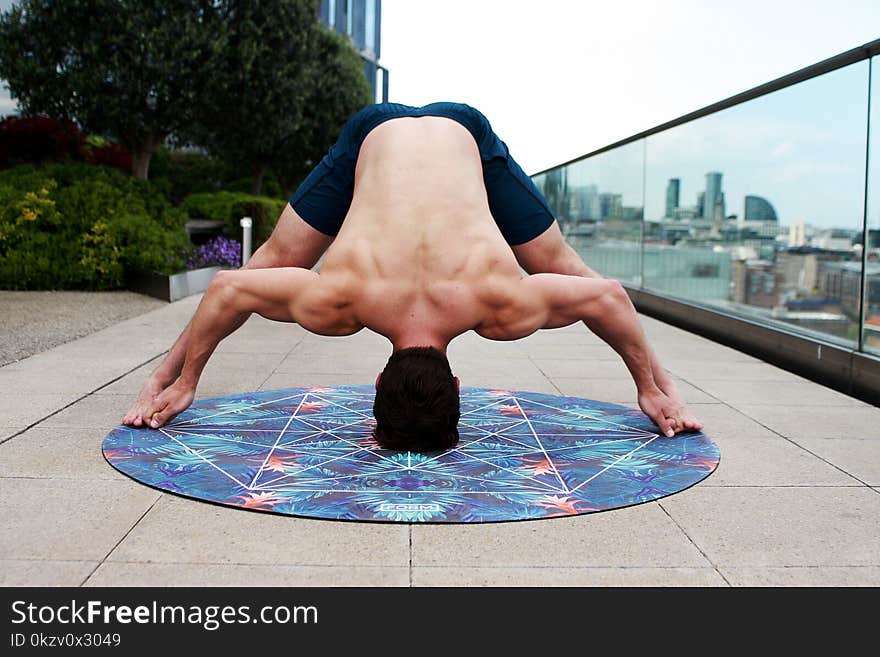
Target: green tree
pixel 336 88
pixel 284 85
pixel 135 69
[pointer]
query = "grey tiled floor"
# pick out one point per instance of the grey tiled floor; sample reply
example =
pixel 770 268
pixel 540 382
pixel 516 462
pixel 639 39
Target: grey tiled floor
pixel 795 500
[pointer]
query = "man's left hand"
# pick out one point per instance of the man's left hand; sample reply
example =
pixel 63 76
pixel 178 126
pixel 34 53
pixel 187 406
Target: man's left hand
pixel 175 399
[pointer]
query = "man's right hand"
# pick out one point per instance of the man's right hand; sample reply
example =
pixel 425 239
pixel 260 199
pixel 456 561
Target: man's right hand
pixel 670 414
pixel 136 416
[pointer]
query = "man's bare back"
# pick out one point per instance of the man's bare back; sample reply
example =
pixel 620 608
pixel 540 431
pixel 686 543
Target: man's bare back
pixel 420 260
pixel 419 256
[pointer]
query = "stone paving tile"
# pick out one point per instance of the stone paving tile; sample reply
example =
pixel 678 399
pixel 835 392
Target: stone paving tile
pixel 45 453
pixel 720 420
pixel 360 364
pixel 560 576
pixel 859 457
pixel 281 380
pixel 212 574
pixel 823 422
pixel 785 393
pixel 7 432
pixel 74 378
pixel 696 370
pixel 672 349
pixel 131 383
pixel 261 344
pixel 516 384
pixel 570 335
pixel 581 368
pixel 21 410
pixel 220 382
pixel 589 352
pixel 24 572
pixel 804 576
pixel 802 526
pixel 599 539
pixel 772 461
pixel 179 530
pixel 98 411
pixel 68 520
pixel 621 390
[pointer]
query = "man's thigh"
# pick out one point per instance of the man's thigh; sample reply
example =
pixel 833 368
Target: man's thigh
pixel 549 253
pixel 293 243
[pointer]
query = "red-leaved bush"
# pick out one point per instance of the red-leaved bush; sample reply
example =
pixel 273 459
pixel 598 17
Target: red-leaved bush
pixel 38 139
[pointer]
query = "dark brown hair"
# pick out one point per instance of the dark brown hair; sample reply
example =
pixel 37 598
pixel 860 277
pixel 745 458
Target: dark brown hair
pixel 417 403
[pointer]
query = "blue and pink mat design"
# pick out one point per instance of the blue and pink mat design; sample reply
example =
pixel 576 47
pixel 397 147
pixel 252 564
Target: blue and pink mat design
pixel 309 452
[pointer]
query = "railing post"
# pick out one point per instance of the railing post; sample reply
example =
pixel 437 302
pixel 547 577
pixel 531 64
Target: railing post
pixel 247 239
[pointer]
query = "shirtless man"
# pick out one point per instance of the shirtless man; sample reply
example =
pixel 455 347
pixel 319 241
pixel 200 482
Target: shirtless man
pixel 438 219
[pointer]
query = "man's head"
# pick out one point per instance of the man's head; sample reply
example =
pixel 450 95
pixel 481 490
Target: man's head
pixel 417 403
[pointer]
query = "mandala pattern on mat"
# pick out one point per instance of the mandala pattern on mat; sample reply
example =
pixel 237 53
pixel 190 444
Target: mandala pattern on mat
pixel 309 452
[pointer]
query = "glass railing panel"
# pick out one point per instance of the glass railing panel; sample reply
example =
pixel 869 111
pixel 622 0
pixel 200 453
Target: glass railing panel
pixel 871 334
pixel 758 209
pixel 600 207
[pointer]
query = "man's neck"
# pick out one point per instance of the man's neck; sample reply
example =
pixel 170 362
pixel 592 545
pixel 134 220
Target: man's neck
pixel 418 338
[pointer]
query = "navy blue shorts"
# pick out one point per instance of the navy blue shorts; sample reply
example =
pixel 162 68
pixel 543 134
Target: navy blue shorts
pixel 519 209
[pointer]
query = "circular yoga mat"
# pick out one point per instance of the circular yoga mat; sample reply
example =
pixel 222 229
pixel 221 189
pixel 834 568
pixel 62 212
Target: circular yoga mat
pixel 309 452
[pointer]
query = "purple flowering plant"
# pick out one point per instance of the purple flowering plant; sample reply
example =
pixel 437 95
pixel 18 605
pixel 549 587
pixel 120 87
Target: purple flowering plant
pixel 219 251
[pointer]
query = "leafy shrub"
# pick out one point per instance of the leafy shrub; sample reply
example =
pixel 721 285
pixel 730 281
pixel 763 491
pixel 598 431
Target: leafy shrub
pixel 80 226
pixel 245 184
pixel 188 172
pixel 218 251
pixel 230 207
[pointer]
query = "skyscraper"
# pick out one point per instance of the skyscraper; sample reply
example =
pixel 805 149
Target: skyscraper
pixel 673 189
pixel 360 20
pixel 713 195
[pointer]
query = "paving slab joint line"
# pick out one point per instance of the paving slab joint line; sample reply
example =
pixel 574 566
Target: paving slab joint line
pixel 552 382
pixel 79 399
pixel 694 543
pixel 289 351
pixel 124 536
pixel 705 392
pixel 799 446
pixel 410 557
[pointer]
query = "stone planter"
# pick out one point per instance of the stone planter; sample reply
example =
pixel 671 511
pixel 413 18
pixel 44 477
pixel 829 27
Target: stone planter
pixel 174 286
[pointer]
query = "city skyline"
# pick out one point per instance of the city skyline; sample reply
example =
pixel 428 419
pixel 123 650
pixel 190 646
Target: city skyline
pixel 803 147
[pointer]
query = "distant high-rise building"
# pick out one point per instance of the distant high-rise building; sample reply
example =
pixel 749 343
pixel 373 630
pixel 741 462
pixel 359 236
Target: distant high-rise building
pixel 360 20
pixel 713 196
pixel 701 201
pixel 797 234
pixel 759 209
pixel 673 189
pixel 611 205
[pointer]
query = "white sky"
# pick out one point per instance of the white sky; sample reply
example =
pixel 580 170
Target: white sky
pixel 560 78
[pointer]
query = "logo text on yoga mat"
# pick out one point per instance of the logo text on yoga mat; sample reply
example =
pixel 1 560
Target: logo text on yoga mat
pixel 404 506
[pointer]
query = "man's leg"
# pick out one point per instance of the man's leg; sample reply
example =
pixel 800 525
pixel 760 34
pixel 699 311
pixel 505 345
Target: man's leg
pixel 293 243
pixel 550 253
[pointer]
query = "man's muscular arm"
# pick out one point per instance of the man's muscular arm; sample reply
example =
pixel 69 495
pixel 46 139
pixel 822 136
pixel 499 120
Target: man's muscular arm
pixel 168 371
pixel 283 294
pixel 553 300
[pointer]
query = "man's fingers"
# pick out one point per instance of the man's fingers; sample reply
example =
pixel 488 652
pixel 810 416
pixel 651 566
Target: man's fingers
pixel 666 426
pixel 155 414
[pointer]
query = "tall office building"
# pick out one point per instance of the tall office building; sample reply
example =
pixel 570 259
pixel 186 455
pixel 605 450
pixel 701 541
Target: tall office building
pixel 713 196
pixel 673 189
pixel 360 20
